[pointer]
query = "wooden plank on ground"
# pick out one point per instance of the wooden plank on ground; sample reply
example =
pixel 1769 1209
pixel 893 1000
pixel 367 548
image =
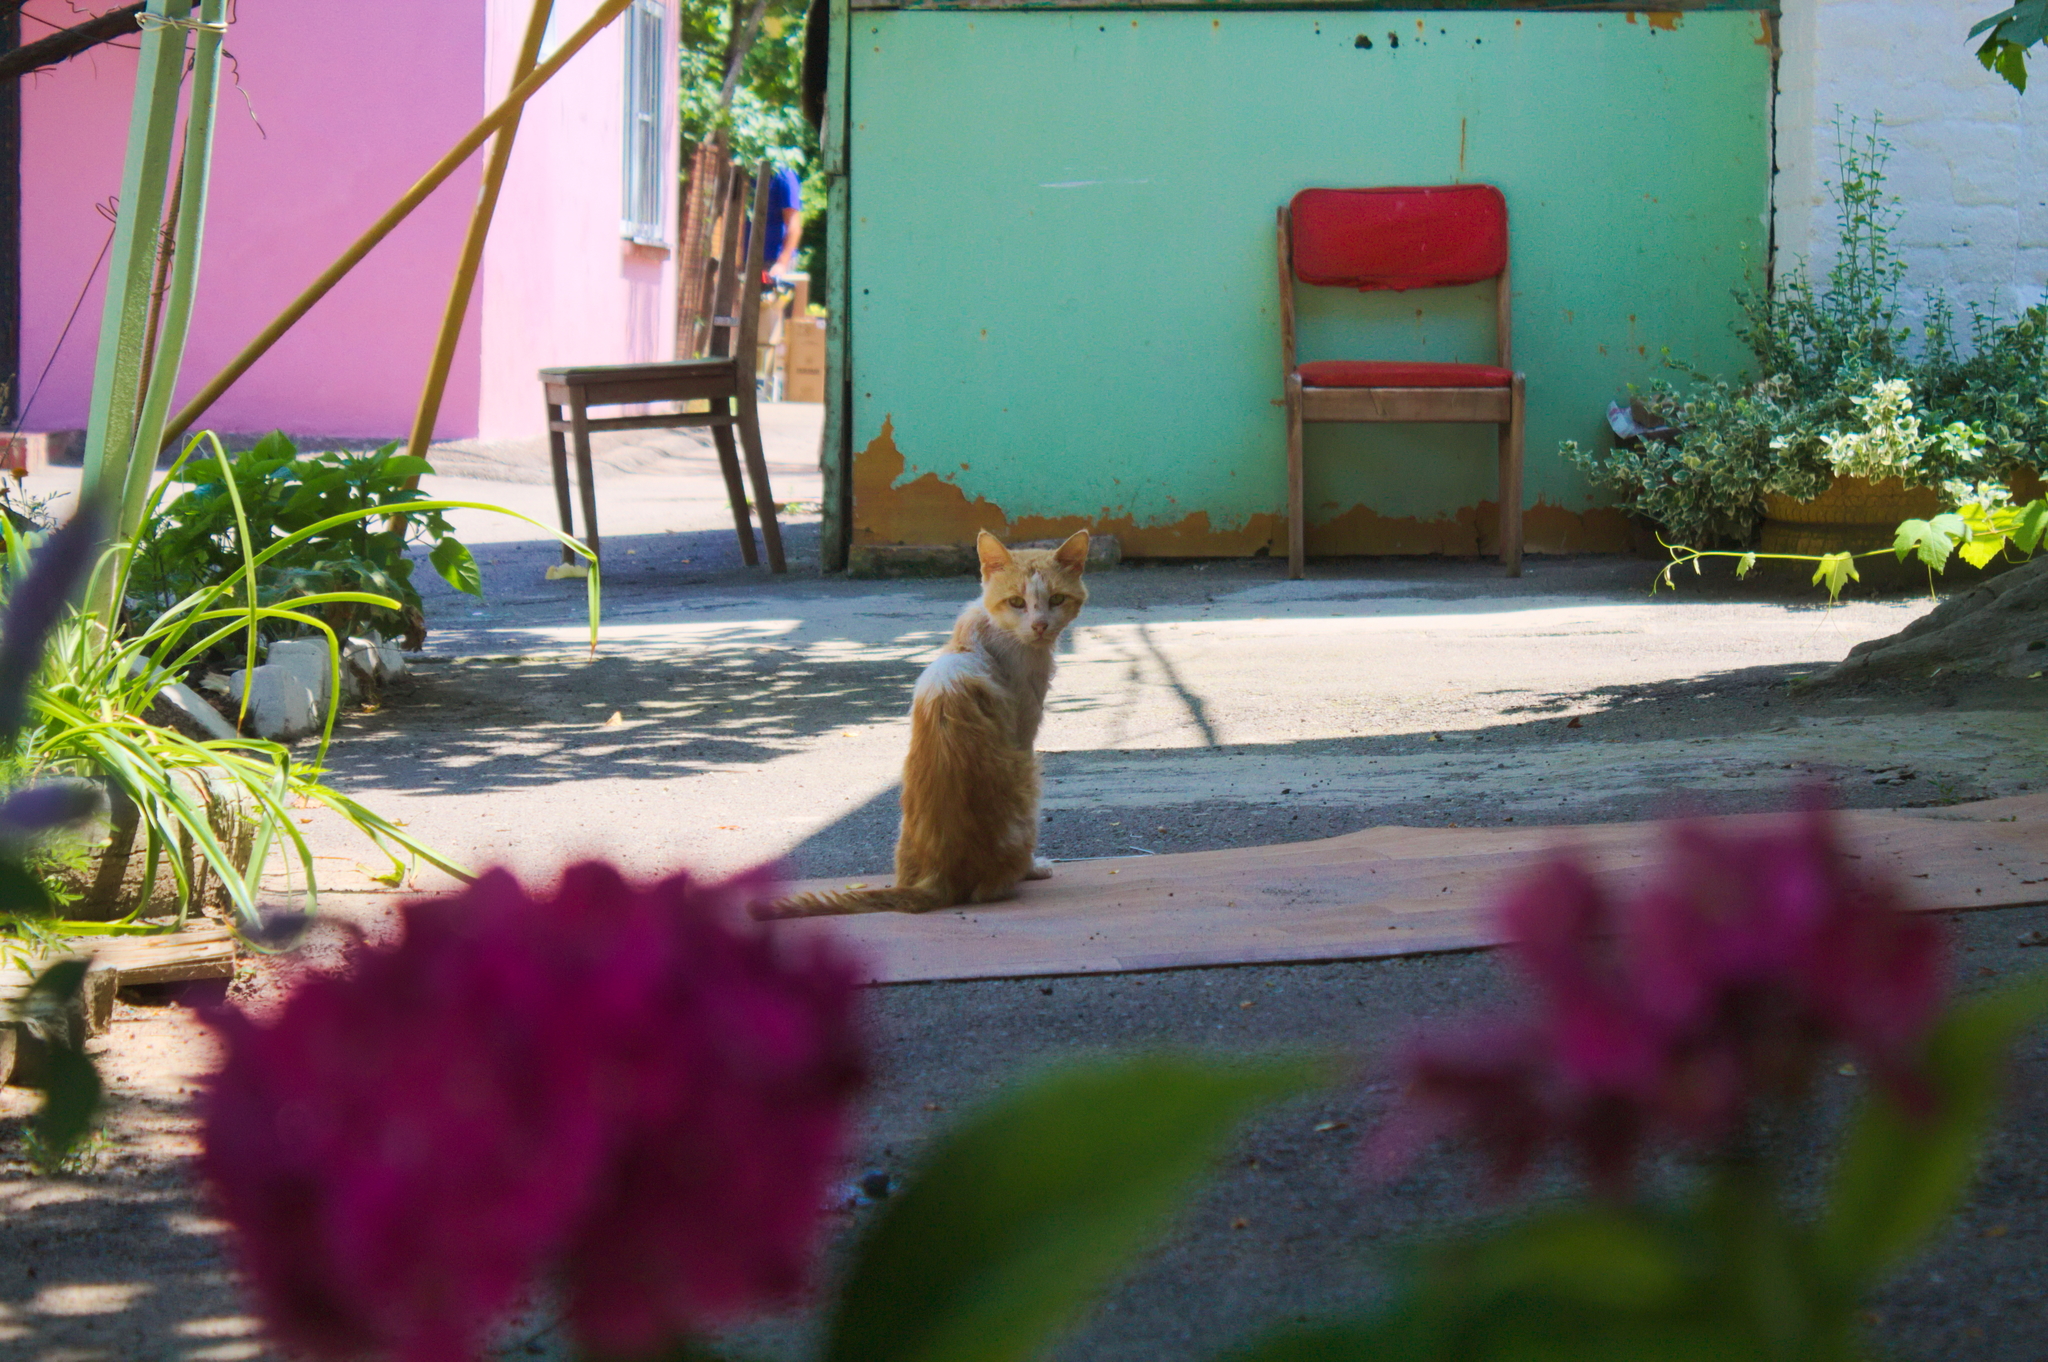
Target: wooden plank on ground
pixel 1379 892
pixel 200 950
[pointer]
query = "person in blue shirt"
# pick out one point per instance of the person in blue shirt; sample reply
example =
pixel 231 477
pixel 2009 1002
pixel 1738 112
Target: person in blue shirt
pixel 785 224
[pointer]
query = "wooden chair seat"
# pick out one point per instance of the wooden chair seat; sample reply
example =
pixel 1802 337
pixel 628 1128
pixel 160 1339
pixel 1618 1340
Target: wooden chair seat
pixel 1380 373
pixel 723 380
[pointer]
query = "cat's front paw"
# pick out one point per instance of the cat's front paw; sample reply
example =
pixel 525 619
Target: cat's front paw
pixel 1041 869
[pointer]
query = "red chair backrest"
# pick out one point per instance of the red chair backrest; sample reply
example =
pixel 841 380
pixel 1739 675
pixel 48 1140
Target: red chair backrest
pixel 1429 237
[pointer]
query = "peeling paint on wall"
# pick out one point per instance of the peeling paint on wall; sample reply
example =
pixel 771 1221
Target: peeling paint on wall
pixel 930 510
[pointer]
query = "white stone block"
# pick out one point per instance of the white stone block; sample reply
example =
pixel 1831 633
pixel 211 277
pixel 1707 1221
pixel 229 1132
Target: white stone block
pixel 281 706
pixel 390 657
pixel 308 660
pixel 204 716
pixel 360 668
pixel 368 661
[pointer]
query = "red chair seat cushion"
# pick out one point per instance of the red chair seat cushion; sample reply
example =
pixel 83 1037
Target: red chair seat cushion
pixel 1372 373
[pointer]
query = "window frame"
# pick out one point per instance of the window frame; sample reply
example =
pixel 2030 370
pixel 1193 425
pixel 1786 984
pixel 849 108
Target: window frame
pixel 643 181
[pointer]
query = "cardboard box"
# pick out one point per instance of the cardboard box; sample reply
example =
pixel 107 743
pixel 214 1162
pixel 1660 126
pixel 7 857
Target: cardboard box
pixel 804 371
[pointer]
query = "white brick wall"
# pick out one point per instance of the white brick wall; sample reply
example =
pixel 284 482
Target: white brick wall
pixel 1969 154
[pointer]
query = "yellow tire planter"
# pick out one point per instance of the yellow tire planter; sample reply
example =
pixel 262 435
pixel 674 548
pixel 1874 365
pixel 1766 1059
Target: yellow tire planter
pixel 1853 515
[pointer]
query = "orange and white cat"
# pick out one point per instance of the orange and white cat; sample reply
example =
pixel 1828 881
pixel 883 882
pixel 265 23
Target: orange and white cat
pixel 970 782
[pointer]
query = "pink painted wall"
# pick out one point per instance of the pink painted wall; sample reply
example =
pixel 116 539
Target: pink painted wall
pixel 322 125
pixel 350 114
pixel 560 284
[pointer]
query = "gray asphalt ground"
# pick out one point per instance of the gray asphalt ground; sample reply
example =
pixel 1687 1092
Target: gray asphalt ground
pixel 1199 705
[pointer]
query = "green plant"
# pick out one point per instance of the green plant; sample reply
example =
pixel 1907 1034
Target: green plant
pixel 1985 525
pixel 195 539
pixel 81 1156
pixel 1891 443
pixel 2008 35
pixel 144 326
pixel 47 1014
pixel 1704 483
pixel 1837 389
pixel 1849 328
pixel 89 700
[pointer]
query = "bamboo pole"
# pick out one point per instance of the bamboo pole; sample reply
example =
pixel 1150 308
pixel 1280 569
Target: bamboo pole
pixel 473 247
pixel 607 11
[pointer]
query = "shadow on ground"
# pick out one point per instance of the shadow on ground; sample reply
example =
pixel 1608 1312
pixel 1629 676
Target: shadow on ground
pixel 116 1263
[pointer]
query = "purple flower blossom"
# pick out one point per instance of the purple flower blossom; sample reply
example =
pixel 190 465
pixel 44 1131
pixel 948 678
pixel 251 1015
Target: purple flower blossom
pixel 1746 958
pixel 627 1092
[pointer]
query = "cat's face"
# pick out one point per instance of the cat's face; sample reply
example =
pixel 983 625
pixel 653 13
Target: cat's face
pixel 1032 594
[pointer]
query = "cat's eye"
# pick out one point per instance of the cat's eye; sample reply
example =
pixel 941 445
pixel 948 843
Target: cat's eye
pixel 1056 601
pixel 1015 602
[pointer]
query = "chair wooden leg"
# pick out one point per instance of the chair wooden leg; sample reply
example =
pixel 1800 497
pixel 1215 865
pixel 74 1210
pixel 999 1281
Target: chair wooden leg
pixel 586 477
pixel 1511 483
pixel 1297 533
pixel 558 457
pixel 735 489
pixel 757 472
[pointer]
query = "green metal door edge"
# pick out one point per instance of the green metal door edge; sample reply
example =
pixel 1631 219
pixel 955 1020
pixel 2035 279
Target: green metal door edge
pixel 835 449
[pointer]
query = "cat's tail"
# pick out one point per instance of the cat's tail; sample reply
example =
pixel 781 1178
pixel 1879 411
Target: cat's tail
pixel 896 900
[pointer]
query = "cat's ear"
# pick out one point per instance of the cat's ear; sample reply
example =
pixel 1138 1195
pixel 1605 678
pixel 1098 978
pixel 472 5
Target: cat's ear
pixel 1073 555
pixel 994 556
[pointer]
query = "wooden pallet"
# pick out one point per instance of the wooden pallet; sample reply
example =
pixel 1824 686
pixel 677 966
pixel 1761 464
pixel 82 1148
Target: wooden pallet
pixel 1379 892
pixel 200 950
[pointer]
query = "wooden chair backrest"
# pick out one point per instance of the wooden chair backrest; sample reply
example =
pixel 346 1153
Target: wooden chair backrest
pixel 728 314
pixel 693 335
pixel 745 349
pixel 1398 238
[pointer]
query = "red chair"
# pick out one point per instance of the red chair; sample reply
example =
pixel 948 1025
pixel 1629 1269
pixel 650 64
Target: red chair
pixel 1434 237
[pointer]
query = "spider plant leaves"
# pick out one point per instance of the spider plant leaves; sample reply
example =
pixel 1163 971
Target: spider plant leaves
pixel 122 357
pixel 37 603
pixel 174 320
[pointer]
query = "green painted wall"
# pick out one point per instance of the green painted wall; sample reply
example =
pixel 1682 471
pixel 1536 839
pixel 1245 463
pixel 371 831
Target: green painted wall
pixel 1061 259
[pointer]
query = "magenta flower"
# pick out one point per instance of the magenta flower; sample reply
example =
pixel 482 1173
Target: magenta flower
pixel 630 1093
pixel 1746 959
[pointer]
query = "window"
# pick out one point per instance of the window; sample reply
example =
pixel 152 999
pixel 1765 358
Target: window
pixel 643 217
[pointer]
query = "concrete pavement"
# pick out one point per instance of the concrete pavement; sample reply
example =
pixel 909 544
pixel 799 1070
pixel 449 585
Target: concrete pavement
pixel 1198 705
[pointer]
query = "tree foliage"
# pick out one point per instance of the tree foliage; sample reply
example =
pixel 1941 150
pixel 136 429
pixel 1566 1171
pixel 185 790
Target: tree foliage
pixel 764 118
pixel 2008 35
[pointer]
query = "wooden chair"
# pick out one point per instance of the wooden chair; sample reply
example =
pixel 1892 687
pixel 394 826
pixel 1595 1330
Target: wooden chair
pixel 1400 239
pixel 723 377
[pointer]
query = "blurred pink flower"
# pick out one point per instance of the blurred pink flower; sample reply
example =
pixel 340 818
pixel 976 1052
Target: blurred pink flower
pixel 1747 957
pixel 628 1092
